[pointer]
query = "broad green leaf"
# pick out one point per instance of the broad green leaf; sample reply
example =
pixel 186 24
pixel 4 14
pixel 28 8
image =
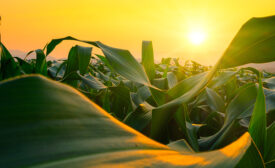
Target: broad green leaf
pixel 181 146
pixel 269 154
pixel 142 111
pixel 214 100
pixel 51 46
pixel 125 64
pixel 269 101
pixel 120 101
pixel 252 158
pixel 254 43
pixel 103 59
pixel 163 113
pixel 185 85
pixel 9 68
pixel 160 83
pixel 257 125
pixel 171 80
pixel 142 94
pixel 241 102
pixel 148 59
pixel 189 131
pixel 140 117
pixel 221 79
pixel 78 59
pixel 62 128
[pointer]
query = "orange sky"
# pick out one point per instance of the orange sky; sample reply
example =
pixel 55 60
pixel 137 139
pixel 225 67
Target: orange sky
pixel 30 24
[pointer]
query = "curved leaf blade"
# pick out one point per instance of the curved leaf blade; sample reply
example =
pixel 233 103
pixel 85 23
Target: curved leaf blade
pixel 254 43
pixel 148 59
pixel 62 128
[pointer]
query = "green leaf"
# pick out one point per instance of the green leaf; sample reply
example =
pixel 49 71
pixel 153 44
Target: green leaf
pixel 254 43
pixel 252 158
pixel 222 78
pixel 26 67
pixel 51 46
pixel 171 80
pixel 160 83
pixel 92 81
pixel 9 67
pixel 148 59
pixel 181 146
pixel 185 85
pixel 103 59
pixel 140 117
pixel 120 101
pixel 257 125
pixel 163 113
pixel 62 128
pixel 269 154
pixel 78 60
pixel 214 100
pixel 241 102
pixel 189 131
pixel 41 63
pixel 125 64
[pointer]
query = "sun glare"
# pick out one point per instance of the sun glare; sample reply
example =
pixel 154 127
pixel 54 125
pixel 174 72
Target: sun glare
pixel 196 37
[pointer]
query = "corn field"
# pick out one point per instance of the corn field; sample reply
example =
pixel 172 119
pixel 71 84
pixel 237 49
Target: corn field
pixel 109 110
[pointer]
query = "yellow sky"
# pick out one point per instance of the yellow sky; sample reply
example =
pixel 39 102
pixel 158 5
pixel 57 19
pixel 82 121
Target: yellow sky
pixel 30 24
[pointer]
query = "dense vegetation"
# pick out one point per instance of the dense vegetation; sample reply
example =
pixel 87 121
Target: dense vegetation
pixel 224 110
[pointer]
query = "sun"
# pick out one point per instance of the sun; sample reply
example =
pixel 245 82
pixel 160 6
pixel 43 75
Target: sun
pixel 196 37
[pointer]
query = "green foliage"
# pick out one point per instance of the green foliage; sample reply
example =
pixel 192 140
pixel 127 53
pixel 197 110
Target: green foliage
pixel 62 128
pixel 191 107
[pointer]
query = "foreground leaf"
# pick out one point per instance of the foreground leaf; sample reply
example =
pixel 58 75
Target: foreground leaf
pixel 254 43
pixel 53 125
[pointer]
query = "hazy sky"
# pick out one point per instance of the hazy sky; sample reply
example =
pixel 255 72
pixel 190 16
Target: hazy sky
pixel 30 24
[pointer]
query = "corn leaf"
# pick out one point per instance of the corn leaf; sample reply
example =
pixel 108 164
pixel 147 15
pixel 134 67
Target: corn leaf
pixel 254 43
pixel 148 59
pixel 9 68
pixel 257 125
pixel 269 154
pixel 62 128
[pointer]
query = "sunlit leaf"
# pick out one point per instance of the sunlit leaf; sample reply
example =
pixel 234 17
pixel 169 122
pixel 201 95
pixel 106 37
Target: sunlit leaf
pixel 148 59
pixel 62 128
pixel 125 64
pixel 257 125
pixel 254 43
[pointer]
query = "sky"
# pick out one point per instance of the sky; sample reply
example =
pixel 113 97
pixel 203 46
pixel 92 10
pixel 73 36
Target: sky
pixel 30 24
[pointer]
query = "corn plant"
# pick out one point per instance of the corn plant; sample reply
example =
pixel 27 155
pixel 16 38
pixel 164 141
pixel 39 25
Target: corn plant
pixel 96 110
